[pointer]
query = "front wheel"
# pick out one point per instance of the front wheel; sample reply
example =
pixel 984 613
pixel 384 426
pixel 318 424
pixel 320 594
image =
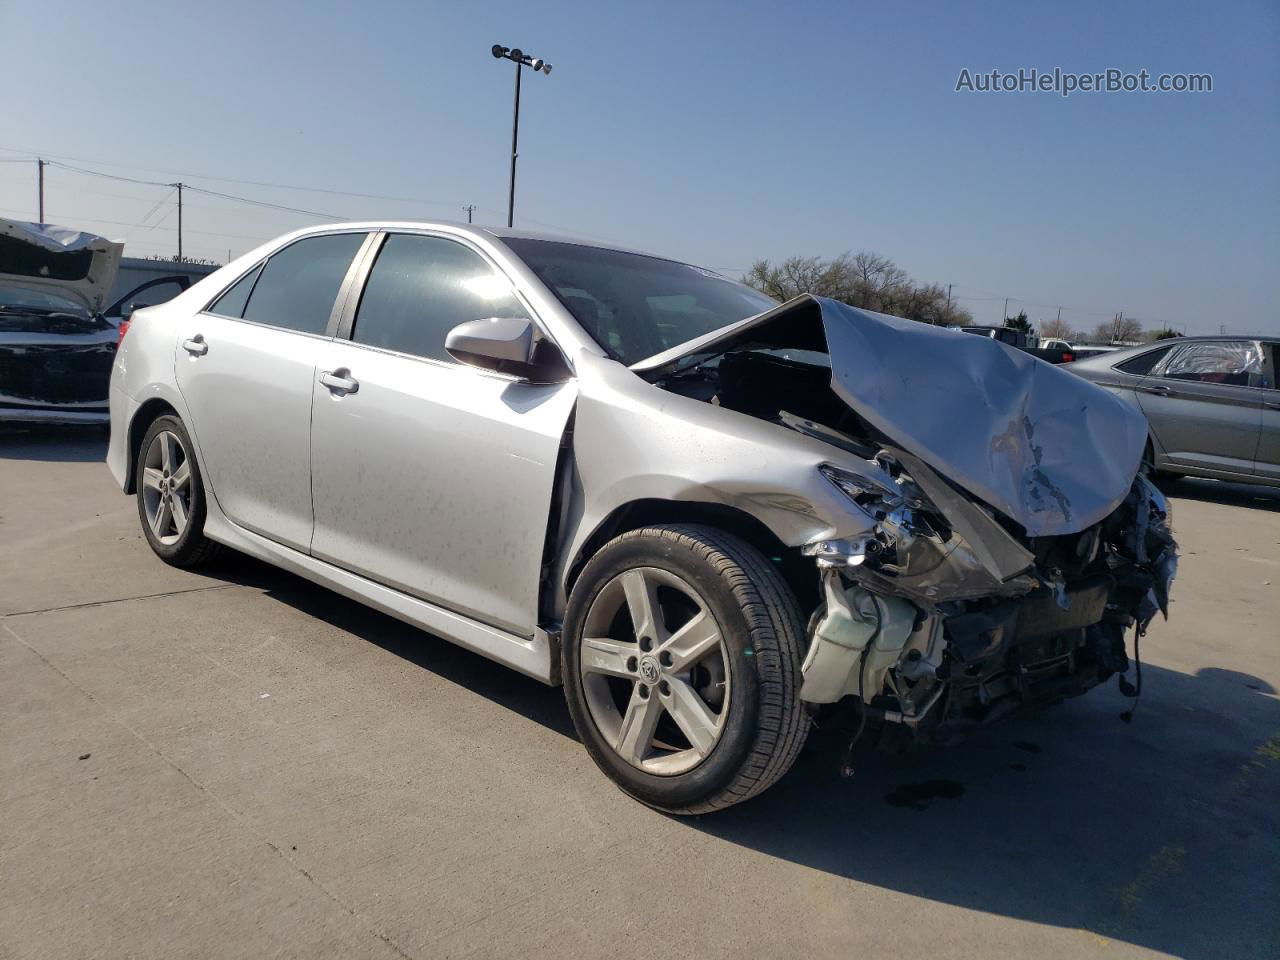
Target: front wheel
pixel 681 662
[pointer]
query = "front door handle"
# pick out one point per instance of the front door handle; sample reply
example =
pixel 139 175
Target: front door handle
pixel 1272 406
pixel 340 380
pixel 196 346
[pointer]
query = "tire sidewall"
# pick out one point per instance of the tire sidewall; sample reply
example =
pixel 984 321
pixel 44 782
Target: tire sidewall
pixel 193 535
pixel 726 759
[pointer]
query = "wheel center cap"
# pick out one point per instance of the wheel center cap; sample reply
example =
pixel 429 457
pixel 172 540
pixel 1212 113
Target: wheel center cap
pixel 649 671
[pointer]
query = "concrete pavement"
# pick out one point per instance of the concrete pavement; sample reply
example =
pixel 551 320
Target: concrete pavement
pixel 238 763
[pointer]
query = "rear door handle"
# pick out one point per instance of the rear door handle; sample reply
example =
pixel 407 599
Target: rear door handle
pixel 340 380
pixel 1157 389
pixel 196 346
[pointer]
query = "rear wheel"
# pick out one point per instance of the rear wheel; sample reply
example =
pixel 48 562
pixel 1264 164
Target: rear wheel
pixel 171 496
pixel 681 664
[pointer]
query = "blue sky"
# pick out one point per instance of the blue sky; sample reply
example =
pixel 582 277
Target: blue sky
pixel 712 132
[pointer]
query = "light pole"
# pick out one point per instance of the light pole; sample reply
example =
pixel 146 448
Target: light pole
pixel 521 60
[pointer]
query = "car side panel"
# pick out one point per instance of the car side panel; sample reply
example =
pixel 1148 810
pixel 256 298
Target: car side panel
pixel 1203 425
pixel 436 479
pixel 249 398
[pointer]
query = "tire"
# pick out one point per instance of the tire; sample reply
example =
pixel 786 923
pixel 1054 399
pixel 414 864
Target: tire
pixel 739 656
pixel 168 479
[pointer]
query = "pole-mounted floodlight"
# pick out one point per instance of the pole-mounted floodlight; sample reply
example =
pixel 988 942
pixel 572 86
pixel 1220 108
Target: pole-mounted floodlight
pixel 521 60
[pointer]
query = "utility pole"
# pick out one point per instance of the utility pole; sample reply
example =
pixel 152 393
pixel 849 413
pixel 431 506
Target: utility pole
pixel 469 208
pixel 179 186
pixel 948 298
pixel 1059 315
pixel 40 164
pixel 1005 316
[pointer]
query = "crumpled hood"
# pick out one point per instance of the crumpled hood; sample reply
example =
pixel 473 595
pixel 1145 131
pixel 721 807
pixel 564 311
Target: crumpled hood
pixel 67 263
pixel 1048 449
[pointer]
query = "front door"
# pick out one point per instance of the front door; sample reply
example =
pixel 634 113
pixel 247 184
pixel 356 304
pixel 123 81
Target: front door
pixel 246 368
pixel 432 477
pixel 1204 405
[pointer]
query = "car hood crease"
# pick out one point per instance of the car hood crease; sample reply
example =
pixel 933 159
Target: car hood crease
pixel 1051 451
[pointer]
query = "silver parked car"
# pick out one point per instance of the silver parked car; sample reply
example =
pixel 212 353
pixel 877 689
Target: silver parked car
pixel 1211 403
pixel 708 516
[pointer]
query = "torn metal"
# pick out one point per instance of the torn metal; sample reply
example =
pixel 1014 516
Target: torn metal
pixel 997 542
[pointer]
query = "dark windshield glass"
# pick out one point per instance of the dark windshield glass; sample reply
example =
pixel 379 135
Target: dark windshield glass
pixel 636 306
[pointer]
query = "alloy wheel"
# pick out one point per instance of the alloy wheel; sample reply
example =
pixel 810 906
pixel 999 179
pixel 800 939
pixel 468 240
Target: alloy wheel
pixel 166 487
pixel 655 671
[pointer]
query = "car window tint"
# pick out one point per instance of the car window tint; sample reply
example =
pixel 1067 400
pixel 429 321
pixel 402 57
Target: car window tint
pixel 1237 363
pixel 420 288
pixel 231 303
pixel 1144 363
pixel 299 284
pixel 633 305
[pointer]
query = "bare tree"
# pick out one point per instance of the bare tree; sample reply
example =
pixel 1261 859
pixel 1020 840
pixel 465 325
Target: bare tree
pixel 1119 329
pixel 866 280
pixel 1055 329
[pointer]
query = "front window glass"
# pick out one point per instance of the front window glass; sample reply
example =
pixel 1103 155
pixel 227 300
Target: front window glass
pixel 422 287
pixel 18 298
pixel 1237 363
pixel 636 306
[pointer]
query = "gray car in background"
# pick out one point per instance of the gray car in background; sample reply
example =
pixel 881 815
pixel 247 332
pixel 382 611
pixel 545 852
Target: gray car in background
pixel 1211 403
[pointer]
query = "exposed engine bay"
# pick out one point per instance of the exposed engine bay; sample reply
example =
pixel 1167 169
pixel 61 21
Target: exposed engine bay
pixel 952 611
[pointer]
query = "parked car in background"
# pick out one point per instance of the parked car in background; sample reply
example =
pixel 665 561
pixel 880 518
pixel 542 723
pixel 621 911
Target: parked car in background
pixel 707 515
pixel 58 334
pixel 1059 352
pixel 1211 403
pixel 1084 351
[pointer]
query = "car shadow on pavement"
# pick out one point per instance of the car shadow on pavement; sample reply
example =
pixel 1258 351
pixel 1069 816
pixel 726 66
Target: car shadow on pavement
pixel 53 444
pixel 523 695
pixel 1161 832
pixel 1221 491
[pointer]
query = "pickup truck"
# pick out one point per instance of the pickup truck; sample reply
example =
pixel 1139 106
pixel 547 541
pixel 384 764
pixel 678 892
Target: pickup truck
pixel 1024 342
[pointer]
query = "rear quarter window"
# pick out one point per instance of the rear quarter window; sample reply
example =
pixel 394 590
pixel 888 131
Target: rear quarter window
pixel 1144 363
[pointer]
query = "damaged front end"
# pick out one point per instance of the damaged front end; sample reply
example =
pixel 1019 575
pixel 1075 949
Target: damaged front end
pixel 1006 544
pixel 891 632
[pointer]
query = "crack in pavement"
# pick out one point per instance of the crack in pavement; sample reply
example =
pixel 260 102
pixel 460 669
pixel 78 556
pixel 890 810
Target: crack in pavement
pixel 103 603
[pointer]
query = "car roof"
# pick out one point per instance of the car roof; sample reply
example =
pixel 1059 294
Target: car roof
pixel 476 230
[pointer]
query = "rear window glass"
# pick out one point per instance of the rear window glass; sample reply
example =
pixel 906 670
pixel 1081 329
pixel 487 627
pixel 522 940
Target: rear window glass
pixel 1144 363
pixel 299 284
pixel 231 303
pixel 1236 364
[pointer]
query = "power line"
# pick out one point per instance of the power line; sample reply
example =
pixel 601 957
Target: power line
pixel 208 176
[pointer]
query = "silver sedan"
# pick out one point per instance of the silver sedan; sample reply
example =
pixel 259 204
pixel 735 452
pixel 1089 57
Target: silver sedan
pixel 1211 404
pixel 708 516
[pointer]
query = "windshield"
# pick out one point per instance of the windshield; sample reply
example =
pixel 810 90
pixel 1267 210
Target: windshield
pixel 16 298
pixel 636 306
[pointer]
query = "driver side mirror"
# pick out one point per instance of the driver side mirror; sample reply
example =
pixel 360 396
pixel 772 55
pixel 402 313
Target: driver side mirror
pixel 507 345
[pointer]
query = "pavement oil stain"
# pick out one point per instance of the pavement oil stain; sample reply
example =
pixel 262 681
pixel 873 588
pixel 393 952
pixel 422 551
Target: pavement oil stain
pixel 917 796
pixel 1028 746
pixel 1020 767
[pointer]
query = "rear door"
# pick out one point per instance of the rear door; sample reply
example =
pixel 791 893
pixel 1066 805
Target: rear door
pixel 432 477
pixel 1268 461
pixel 1204 404
pixel 245 367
